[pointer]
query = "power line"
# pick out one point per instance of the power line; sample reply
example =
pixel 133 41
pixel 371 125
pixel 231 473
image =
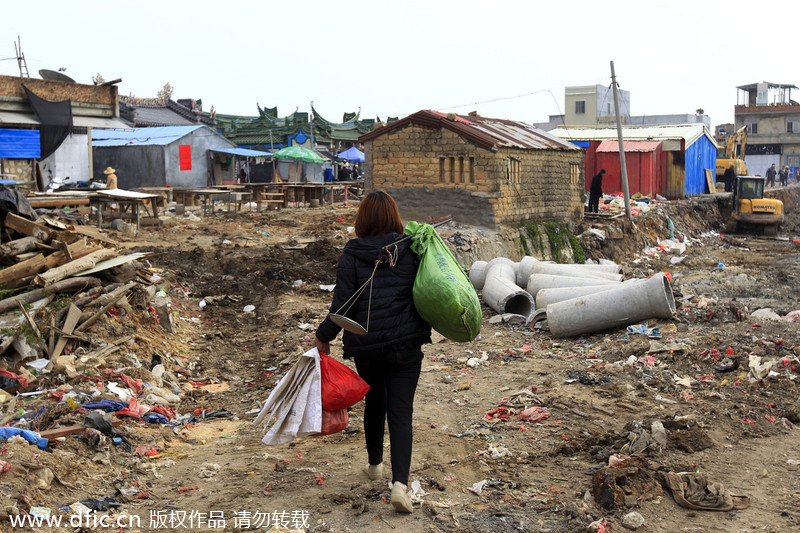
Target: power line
pixel 486 102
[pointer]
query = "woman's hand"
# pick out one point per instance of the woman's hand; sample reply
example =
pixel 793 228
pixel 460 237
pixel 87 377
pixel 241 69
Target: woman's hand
pixel 323 347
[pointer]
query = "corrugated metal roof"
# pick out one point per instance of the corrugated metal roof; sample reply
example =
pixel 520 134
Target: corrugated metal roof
pixel 141 136
pixel 488 133
pixel 19 144
pixel 243 152
pixel 690 133
pixel 162 116
pixel 15 117
pixel 630 146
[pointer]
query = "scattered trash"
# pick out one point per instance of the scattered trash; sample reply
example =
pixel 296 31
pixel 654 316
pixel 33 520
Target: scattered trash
pixel 477 488
pixel 693 490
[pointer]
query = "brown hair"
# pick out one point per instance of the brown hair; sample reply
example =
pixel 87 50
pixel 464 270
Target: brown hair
pixel 378 215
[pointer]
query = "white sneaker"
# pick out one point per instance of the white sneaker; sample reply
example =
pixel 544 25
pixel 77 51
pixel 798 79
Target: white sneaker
pixel 374 471
pixel 400 500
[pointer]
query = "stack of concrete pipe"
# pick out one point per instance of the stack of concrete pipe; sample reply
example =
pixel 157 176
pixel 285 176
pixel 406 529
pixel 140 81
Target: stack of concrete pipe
pixel 574 299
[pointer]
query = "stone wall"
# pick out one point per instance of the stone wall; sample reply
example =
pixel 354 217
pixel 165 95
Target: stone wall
pixel 433 173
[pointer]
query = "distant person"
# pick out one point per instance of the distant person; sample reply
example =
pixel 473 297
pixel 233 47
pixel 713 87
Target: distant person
pixel 784 176
pixel 771 173
pixel 111 178
pixel 242 176
pixel 356 173
pixel 596 191
pixel 797 174
pixel 344 173
pixel 728 178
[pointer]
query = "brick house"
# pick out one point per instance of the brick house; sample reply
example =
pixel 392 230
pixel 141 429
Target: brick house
pixel 482 171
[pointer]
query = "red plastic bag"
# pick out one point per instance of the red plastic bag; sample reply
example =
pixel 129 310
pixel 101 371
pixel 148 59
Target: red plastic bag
pixel 342 387
pixel 334 421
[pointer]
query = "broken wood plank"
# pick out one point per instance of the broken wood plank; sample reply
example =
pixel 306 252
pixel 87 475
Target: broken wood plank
pixel 51 343
pixel 92 233
pixel 68 285
pixel 603 410
pixel 73 267
pixel 57 202
pixel 69 326
pixel 71 430
pixel 64 247
pixel 30 228
pixel 29 318
pixel 19 246
pixel 25 256
pixel 119 293
pixel 23 270
pixel 6 343
pixel 31 267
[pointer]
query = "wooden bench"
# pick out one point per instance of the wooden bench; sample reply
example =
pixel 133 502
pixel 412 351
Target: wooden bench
pixel 276 199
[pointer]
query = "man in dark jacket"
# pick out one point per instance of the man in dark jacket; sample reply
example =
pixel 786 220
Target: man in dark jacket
pixel 771 173
pixel 596 191
pixel 729 177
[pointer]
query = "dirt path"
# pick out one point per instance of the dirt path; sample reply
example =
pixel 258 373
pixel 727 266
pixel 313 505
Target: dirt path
pixel 588 397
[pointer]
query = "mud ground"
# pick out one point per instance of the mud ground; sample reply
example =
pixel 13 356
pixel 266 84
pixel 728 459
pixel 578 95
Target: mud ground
pixel 741 432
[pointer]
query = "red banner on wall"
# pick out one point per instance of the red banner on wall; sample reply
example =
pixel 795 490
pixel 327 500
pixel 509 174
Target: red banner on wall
pixel 185 156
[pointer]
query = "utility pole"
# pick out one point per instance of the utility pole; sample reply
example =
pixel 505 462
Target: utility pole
pixel 311 124
pixel 622 168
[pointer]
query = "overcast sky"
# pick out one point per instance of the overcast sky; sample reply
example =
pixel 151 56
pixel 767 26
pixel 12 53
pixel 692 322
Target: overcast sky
pixel 506 59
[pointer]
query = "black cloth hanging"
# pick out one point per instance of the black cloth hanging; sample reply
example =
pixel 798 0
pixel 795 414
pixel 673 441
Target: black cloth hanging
pixel 56 119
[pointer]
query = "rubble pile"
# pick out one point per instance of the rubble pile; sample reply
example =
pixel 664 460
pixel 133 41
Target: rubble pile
pixel 80 323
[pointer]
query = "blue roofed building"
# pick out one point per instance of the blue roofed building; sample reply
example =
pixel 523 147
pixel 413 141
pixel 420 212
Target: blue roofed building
pixel 174 156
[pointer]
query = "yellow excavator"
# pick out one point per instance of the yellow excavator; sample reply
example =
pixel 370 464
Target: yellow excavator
pixel 750 211
pixel 734 154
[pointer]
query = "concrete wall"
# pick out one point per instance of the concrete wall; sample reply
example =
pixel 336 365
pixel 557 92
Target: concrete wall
pixel 201 140
pixel 599 105
pixel 70 160
pixel 433 173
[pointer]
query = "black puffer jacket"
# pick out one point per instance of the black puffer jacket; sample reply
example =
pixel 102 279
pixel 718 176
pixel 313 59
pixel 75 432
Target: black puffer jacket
pixel 391 319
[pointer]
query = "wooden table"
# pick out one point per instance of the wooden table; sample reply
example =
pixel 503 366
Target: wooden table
pixel 125 200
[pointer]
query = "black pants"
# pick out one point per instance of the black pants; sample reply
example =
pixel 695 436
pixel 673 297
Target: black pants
pixel 594 202
pixel 392 378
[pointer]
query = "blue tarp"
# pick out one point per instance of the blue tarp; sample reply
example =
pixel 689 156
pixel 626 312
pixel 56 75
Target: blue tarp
pixel 30 436
pixel 352 154
pixel 19 144
pixel 242 152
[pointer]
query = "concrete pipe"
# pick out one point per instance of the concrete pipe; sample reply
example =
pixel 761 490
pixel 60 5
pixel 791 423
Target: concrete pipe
pixel 501 293
pixel 477 274
pixel 524 269
pixel 538 282
pixel 546 297
pixel 576 271
pixel 626 304
pixel 605 267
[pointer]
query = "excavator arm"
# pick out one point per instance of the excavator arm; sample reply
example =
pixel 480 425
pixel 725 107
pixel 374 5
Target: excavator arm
pixel 738 138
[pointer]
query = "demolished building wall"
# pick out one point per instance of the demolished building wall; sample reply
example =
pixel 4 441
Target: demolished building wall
pixel 436 172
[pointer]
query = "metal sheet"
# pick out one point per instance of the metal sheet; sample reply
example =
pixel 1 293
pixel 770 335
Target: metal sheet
pixel 111 263
pixel 630 146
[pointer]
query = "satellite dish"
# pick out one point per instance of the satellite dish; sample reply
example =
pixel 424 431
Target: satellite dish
pixel 53 75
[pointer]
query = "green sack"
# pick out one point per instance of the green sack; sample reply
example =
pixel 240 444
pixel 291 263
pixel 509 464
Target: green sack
pixel 443 294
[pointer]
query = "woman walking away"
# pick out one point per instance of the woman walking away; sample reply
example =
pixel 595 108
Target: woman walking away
pixel 389 356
